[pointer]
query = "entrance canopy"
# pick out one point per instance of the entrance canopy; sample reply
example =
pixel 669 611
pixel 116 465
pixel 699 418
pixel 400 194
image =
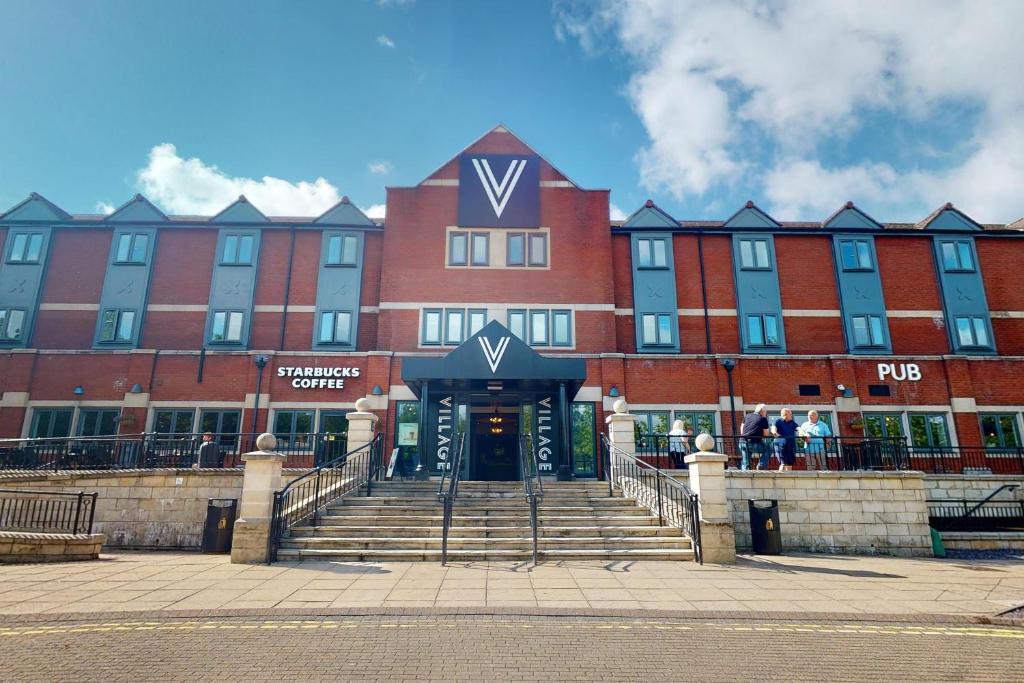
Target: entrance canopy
pixel 495 360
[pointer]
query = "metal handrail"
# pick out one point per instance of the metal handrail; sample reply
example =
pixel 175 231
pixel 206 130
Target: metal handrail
pixel 652 487
pixel 1004 487
pixel 447 497
pixel 533 486
pixel 53 511
pixel 304 497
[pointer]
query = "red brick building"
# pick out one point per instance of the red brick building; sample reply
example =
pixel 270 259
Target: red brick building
pixel 241 322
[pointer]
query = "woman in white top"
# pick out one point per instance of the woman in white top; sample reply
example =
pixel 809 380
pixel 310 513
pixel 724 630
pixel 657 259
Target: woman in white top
pixel 677 439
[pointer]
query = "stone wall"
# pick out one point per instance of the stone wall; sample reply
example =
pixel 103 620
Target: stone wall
pixel 971 486
pixel 145 508
pixel 22 547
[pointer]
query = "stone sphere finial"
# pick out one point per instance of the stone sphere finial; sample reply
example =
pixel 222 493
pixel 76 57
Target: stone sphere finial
pixel 620 407
pixel 704 442
pixel 362 405
pixel 266 442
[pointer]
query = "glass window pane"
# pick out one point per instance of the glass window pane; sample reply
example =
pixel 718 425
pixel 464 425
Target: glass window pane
pixel 863 254
pixel 560 328
pixel 849 256
pixel 771 331
pixel 650 332
pixel 343 327
pixel 457 249
pixel 963 332
pixel 659 423
pixel 35 247
pixel 874 427
pixel 966 258
pixel 334 250
pixel 477 320
pixel 124 247
pixel 938 429
pixel 109 326
pixel 1008 429
pixel 480 256
pixel 348 251
pixel 87 422
pixel 877 335
pixel 235 326
pixel 283 422
pixel 3 323
pixel 125 326
pixel 453 327
pixel 61 423
pixel 219 321
pixel 517 323
pixel 432 327
pixel 584 447
pixel 949 259
pixel 183 422
pixel 761 251
pixel 660 258
pixel 515 250
pixel 139 247
pixel 538 327
pixel 230 249
pixel 303 421
pixel 245 249
pixel 643 253
pixel 893 425
pixel 746 254
pixel 162 421
pixel 15 321
pixel 326 327
pixel 860 331
pixel 538 250
pixel 18 247
pixel 980 332
pixel 990 431
pixel 755 335
pixel 664 329
pixel 919 431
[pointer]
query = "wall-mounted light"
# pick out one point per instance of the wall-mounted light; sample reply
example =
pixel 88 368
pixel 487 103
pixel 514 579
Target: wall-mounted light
pixel 136 388
pixel 377 391
pixel 78 391
pixel 613 392
pixel 847 393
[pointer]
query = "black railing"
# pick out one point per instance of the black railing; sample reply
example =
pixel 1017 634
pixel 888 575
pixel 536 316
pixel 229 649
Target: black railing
pixel 533 486
pixel 47 511
pixel 150 450
pixel 966 459
pixel 305 497
pixel 448 490
pixel 986 514
pixel 672 500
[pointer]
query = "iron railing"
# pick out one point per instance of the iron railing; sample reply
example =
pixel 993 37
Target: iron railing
pixel 966 460
pixel 986 514
pixel 47 511
pixel 446 495
pixel 672 500
pixel 305 497
pixel 533 486
pixel 150 450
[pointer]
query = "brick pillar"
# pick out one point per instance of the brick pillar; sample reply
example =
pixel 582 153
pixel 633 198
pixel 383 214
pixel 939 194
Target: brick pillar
pixel 707 480
pixel 262 479
pixel 620 431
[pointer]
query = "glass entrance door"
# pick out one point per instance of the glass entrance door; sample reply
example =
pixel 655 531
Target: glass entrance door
pixel 495 446
pixel 334 435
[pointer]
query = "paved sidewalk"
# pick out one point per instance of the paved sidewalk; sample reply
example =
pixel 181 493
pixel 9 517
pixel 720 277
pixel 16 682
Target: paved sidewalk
pixel 822 584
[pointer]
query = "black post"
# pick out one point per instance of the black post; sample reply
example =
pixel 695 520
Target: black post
pixel 261 362
pixel 421 473
pixel 729 364
pixel 564 467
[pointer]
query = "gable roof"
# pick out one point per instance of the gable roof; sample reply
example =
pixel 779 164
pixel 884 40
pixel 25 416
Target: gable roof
pixel 344 212
pixel 650 216
pixel 138 208
pixel 850 217
pixel 750 216
pixel 240 211
pixel 35 207
pixel 948 217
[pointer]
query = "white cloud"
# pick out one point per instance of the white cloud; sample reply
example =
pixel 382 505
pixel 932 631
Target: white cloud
pixel 105 209
pixel 616 214
pixel 741 91
pixel 384 41
pixel 191 186
pixel 379 167
pixel 375 211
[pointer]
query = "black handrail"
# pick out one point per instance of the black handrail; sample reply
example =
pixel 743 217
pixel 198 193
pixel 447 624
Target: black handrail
pixel 447 496
pixel 52 511
pixel 304 497
pixel 672 500
pixel 533 486
pixel 1004 487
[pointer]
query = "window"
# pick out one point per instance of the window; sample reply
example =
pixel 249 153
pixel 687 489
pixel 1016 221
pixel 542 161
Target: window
pixel 762 330
pixel 26 247
pixel 173 421
pixel 237 250
pixel 457 248
pixel 517 323
pixel 293 429
pixel 539 328
pixel 341 250
pixel 651 253
pixel 432 326
pixel 999 430
pixel 538 249
pixel 957 255
pixel 754 255
pixel 227 327
pixel 695 424
pixel 12 321
pixel 656 329
pixel 132 247
pixel 561 325
pixel 648 424
pixel 223 423
pixel 929 430
pixel 809 390
pixel 515 249
pixel 867 330
pixel 883 425
pixel 98 422
pixel 336 327
pixel 972 331
pixel 879 390
pixel 117 326
pixel 479 242
pixel 51 423
pixel 453 325
pixel 584 443
pixel 856 254
pixel 477 320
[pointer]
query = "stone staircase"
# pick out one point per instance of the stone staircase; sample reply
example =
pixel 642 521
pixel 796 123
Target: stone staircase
pixel 401 521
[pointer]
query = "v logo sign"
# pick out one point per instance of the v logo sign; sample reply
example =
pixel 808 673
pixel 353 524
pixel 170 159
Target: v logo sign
pixel 498 193
pixel 493 355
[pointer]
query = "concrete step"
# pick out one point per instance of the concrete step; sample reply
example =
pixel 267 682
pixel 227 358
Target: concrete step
pixel 503 509
pixel 460 502
pixel 484 520
pixel 511 543
pixel 484 531
pixel 461 555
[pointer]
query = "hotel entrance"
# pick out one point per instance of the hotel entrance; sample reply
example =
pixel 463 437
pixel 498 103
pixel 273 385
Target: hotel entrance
pixel 493 442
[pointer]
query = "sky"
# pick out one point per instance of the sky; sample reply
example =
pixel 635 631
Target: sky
pixel 897 105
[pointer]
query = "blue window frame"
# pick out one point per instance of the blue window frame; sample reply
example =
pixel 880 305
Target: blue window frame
pixel 118 326
pixel 856 255
pixel 517 323
pixel 26 247
pixel 431 326
pixel 656 329
pixel 12 324
pixel 336 327
pixel 868 331
pixel 972 331
pixel 957 256
pixel 457 248
pixel 132 248
pixel 651 253
pixel 763 330
pixel 755 255
pixel 237 250
pixel 227 327
pixel 515 249
pixel 342 250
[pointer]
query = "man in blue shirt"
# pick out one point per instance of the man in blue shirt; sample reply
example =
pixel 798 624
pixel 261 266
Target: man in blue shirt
pixel 814 432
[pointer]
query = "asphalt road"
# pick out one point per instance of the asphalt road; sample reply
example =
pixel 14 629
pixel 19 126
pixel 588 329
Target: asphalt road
pixel 505 647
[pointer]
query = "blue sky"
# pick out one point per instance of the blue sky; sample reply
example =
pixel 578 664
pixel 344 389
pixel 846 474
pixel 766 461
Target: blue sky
pixel 697 105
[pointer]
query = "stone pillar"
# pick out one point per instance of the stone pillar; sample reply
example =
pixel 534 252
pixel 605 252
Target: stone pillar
pixel 707 480
pixel 620 431
pixel 362 425
pixel 262 479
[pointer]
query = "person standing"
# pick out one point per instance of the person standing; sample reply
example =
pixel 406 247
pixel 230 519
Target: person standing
pixel 209 452
pixel 677 439
pixel 754 431
pixel 814 432
pixel 785 429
